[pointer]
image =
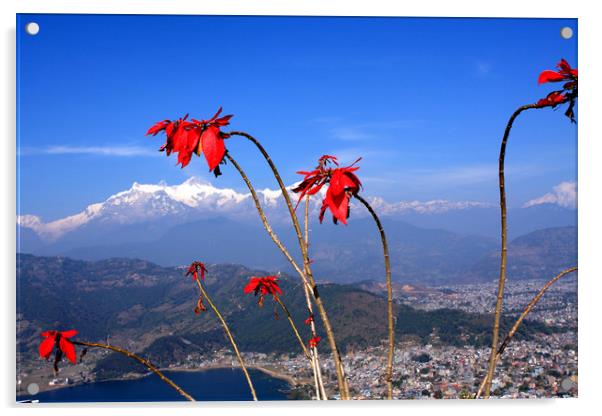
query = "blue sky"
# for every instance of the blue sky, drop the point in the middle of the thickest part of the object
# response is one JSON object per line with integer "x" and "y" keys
{"x": 423, "y": 101}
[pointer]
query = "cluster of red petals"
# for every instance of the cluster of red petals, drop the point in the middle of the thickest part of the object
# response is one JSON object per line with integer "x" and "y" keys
{"x": 564, "y": 73}
{"x": 309, "y": 319}
{"x": 197, "y": 268}
{"x": 186, "y": 137}
{"x": 263, "y": 286}
{"x": 60, "y": 340}
{"x": 342, "y": 183}
{"x": 314, "y": 342}
{"x": 568, "y": 93}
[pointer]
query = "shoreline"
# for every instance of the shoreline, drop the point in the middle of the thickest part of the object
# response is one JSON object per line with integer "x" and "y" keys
{"x": 274, "y": 373}
{"x": 270, "y": 372}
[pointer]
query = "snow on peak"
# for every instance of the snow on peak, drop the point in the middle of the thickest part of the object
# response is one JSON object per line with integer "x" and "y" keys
{"x": 195, "y": 198}
{"x": 436, "y": 206}
{"x": 54, "y": 229}
{"x": 192, "y": 193}
{"x": 564, "y": 195}
{"x": 143, "y": 202}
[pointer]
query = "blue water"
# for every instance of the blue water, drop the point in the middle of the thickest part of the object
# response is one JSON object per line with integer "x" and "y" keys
{"x": 209, "y": 385}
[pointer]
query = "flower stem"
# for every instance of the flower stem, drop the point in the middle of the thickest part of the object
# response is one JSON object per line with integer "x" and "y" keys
{"x": 265, "y": 222}
{"x": 141, "y": 360}
{"x": 504, "y": 253}
{"x": 293, "y": 326}
{"x": 391, "y": 324}
{"x": 341, "y": 379}
{"x": 320, "y": 390}
{"x": 522, "y": 316}
{"x": 229, "y": 334}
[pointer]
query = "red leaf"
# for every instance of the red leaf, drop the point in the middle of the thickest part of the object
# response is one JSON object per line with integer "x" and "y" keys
{"x": 252, "y": 285}
{"x": 158, "y": 127}
{"x": 213, "y": 146}
{"x": 47, "y": 345}
{"x": 69, "y": 334}
{"x": 69, "y": 349}
{"x": 550, "y": 76}
{"x": 553, "y": 99}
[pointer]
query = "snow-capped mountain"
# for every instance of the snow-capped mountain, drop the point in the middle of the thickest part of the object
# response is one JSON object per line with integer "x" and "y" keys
{"x": 437, "y": 206}
{"x": 174, "y": 224}
{"x": 195, "y": 199}
{"x": 150, "y": 202}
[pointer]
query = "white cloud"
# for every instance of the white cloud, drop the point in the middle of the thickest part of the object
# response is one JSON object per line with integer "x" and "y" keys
{"x": 482, "y": 68}
{"x": 564, "y": 194}
{"x": 119, "y": 151}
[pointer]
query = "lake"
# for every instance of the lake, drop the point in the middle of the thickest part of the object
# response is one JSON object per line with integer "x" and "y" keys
{"x": 208, "y": 385}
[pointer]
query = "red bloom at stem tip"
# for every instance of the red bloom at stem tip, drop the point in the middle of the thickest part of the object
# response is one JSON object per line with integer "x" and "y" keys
{"x": 195, "y": 269}
{"x": 263, "y": 286}
{"x": 195, "y": 136}
{"x": 60, "y": 340}
{"x": 314, "y": 342}
{"x": 342, "y": 181}
{"x": 568, "y": 93}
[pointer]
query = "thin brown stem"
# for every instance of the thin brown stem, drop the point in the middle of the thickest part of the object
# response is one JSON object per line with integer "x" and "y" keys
{"x": 268, "y": 227}
{"x": 391, "y": 324}
{"x": 293, "y": 326}
{"x": 504, "y": 253}
{"x": 320, "y": 390}
{"x": 341, "y": 379}
{"x": 264, "y": 220}
{"x": 141, "y": 360}
{"x": 522, "y": 316}
{"x": 230, "y": 337}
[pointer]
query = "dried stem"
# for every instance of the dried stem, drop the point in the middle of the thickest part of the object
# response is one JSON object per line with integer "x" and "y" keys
{"x": 290, "y": 319}
{"x": 264, "y": 220}
{"x": 522, "y": 316}
{"x": 319, "y": 382}
{"x": 383, "y": 238}
{"x": 341, "y": 379}
{"x": 504, "y": 253}
{"x": 141, "y": 360}
{"x": 266, "y": 224}
{"x": 229, "y": 334}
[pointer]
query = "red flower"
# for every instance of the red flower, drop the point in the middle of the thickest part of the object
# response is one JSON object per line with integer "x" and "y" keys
{"x": 343, "y": 183}
{"x": 58, "y": 339}
{"x": 211, "y": 142}
{"x": 315, "y": 180}
{"x": 195, "y": 269}
{"x": 309, "y": 319}
{"x": 564, "y": 73}
{"x": 314, "y": 342}
{"x": 195, "y": 136}
{"x": 568, "y": 93}
{"x": 263, "y": 286}
{"x": 181, "y": 138}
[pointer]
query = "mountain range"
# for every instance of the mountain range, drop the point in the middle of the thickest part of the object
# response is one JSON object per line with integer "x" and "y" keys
{"x": 431, "y": 242}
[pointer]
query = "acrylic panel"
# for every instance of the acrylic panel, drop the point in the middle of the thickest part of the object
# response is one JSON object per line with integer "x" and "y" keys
{"x": 235, "y": 208}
